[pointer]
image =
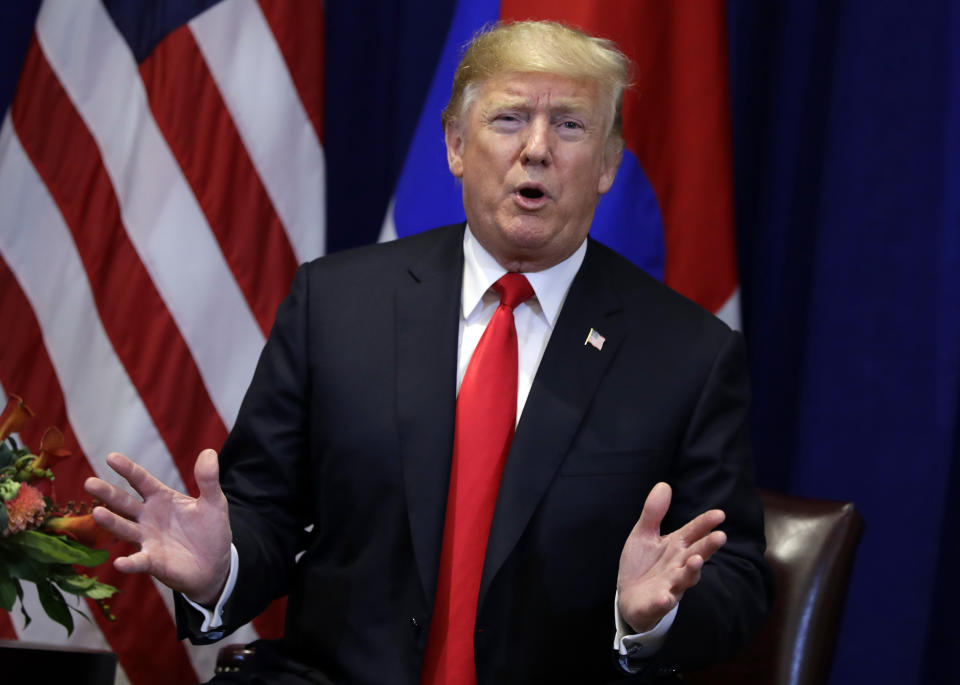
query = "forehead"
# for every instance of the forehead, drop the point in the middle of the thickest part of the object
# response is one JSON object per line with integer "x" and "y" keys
{"x": 536, "y": 90}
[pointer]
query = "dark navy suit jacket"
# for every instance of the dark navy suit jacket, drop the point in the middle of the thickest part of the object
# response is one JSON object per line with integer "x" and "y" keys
{"x": 348, "y": 427}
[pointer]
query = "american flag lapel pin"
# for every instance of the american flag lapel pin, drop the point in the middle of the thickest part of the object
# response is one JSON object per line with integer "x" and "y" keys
{"x": 594, "y": 338}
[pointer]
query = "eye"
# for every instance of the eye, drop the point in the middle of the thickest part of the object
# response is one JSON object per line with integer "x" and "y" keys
{"x": 571, "y": 129}
{"x": 506, "y": 122}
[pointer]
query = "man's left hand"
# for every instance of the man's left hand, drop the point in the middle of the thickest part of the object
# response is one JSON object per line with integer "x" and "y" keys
{"x": 656, "y": 570}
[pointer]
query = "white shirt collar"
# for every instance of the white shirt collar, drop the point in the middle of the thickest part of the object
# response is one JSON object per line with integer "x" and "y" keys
{"x": 550, "y": 286}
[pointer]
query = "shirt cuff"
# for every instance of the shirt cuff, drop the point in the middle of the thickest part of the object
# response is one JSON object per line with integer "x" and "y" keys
{"x": 634, "y": 646}
{"x": 213, "y": 618}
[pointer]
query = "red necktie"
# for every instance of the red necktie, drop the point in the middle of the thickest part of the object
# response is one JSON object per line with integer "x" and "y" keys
{"x": 486, "y": 415}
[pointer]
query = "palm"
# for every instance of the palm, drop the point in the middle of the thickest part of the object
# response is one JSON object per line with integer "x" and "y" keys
{"x": 656, "y": 570}
{"x": 184, "y": 541}
{"x": 174, "y": 536}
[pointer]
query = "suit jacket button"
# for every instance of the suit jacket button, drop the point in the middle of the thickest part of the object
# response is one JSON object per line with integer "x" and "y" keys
{"x": 415, "y": 623}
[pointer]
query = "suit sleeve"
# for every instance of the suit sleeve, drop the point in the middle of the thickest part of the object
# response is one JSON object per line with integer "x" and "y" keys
{"x": 262, "y": 469}
{"x": 714, "y": 469}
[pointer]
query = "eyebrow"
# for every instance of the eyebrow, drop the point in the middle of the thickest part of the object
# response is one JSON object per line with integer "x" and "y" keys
{"x": 557, "y": 106}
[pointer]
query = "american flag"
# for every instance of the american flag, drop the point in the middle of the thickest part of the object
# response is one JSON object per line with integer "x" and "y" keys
{"x": 161, "y": 176}
{"x": 594, "y": 338}
{"x": 162, "y": 173}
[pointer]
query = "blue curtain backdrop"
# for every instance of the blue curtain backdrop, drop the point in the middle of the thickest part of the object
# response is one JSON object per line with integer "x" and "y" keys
{"x": 847, "y": 148}
{"x": 847, "y": 156}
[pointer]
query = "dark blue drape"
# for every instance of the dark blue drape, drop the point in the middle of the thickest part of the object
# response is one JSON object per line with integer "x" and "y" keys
{"x": 847, "y": 146}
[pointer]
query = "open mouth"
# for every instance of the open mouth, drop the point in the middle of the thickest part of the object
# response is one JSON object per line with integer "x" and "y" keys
{"x": 531, "y": 193}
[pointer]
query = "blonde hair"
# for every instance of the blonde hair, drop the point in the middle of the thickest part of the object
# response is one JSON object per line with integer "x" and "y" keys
{"x": 540, "y": 47}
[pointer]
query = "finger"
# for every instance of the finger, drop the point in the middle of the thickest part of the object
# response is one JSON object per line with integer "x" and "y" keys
{"x": 206, "y": 471}
{"x": 689, "y": 575}
{"x": 654, "y": 509}
{"x": 139, "y": 478}
{"x": 701, "y": 525}
{"x": 705, "y": 547}
{"x": 114, "y": 498}
{"x": 138, "y": 562}
{"x": 119, "y": 526}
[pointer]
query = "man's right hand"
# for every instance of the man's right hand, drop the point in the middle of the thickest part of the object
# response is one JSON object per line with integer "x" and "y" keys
{"x": 184, "y": 541}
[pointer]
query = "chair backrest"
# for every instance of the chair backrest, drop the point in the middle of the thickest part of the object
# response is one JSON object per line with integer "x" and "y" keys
{"x": 811, "y": 544}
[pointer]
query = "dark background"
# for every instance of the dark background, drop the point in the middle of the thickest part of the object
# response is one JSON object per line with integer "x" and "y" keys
{"x": 847, "y": 172}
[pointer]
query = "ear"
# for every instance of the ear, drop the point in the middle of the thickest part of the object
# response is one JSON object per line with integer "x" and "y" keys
{"x": 612, "y": 154}
{"x": 453, "y": 136}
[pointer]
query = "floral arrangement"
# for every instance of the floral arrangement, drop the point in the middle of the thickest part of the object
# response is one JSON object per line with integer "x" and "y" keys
{"x": 40, "y": 540}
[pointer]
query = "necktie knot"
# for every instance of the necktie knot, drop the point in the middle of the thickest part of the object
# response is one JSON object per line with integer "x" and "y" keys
{"x": 513, "y": 289}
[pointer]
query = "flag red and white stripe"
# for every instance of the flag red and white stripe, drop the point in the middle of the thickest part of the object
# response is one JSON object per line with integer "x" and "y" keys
{"x": 152, "y": 213}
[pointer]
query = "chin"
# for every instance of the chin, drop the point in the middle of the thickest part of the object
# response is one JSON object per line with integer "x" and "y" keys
{"x": 528, "y": 232}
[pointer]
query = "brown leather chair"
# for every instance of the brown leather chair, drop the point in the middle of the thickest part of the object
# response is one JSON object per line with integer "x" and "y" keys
{"x": 811, "y": 544}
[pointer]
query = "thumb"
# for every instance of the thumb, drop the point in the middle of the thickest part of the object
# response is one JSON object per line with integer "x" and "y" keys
{"x": 207, "y": 473}
{"x": 654, "y": 509}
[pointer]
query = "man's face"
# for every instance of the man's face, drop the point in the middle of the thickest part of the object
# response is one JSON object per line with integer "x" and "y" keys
{"x": 534, "y": 156}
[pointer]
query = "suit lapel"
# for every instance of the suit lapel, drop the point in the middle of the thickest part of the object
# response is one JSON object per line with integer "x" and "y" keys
{"x": 563, "y": 389}
{"x": 427, "y": 317}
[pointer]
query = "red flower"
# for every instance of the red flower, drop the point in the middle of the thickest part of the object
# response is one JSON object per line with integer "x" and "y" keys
{"x": 26, "y": 510}
{"x": 83, "y": 529}
{"x": 14, "y": 417}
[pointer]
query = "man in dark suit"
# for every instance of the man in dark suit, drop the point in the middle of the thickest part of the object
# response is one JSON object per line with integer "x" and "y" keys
{"x": 608, "y": 408}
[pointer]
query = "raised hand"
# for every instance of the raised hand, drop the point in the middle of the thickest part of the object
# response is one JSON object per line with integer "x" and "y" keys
{"x": 656, "y": 570}
{"x": 184, "y": 541}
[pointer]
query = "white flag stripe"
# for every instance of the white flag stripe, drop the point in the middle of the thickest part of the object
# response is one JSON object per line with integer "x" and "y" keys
{"x": 3, "y": 403}
{"x": 388, "y": 230}
{"x": 729, "y": 313}
{"x": 103, "y": 406}
{"x": 240, "y": 49}
{"x": 168, "y": 229}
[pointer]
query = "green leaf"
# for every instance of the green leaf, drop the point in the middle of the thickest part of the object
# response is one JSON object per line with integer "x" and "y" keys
{"x": 6, "y": 455}
{"x": 4, "y": 517}
{"x": 81, "y": 613}
{"x": 23, "y": 608}
{"x": 52, "y": 549}
{"x": 55, "y": 605}
{"x": 20, "y": 566}
{"x": 9, "y": 591}
{"x": 84, "y": 586}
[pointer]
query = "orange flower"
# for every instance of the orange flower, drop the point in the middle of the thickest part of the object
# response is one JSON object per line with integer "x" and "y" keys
{"x": 51, "y": 449}
{"x": 14, "y": 417}
{"x": 83, "y": 529}
{"x": 25, "y": 511}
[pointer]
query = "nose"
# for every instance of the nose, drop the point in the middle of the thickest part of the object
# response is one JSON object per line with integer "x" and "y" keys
{"x": 536, "y": 149}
